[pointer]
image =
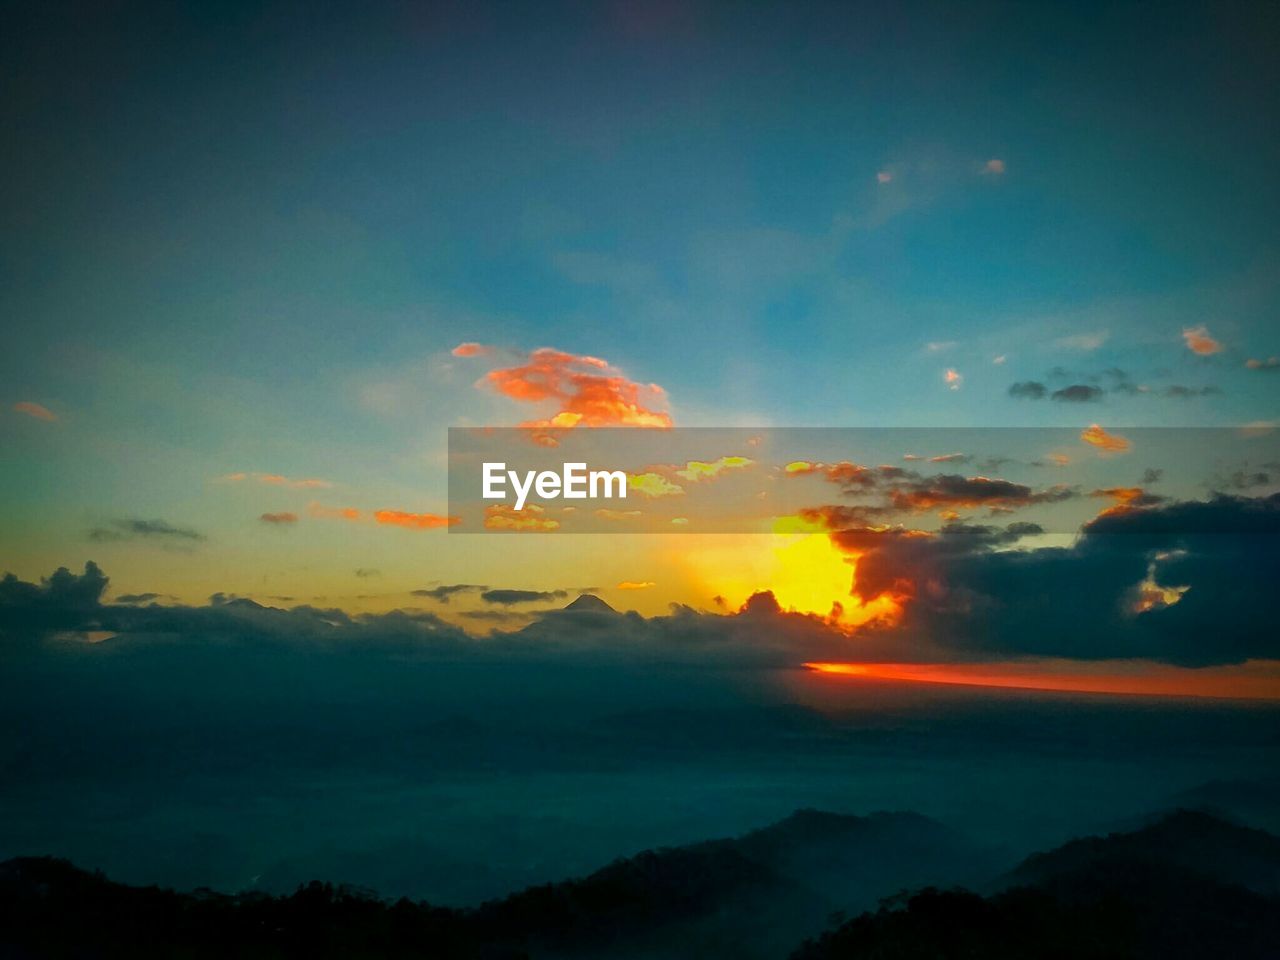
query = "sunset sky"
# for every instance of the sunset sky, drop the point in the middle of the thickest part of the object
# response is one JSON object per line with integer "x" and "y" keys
{"x": 253, "y": 273}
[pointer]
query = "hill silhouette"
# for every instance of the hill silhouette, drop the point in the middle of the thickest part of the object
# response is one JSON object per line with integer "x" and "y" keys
{"x": 1187, "y": 885}
{"x": 589, "y": 603}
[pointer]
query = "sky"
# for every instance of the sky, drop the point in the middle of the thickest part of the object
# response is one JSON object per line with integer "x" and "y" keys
{"x": 260, "y": 260}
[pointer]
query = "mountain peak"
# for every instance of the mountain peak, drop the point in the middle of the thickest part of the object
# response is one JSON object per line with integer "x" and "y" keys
{"x": 590, "y": 603}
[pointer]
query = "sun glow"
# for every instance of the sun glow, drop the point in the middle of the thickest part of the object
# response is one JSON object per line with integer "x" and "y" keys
{"x": 805, "y": 572}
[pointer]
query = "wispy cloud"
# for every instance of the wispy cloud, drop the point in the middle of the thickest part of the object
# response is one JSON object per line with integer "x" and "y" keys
{"x": 413, "y": 521}
{"x": 130, "y": 529}
{"x": 1098, "y": 437}
{"x": 953, "y": 379}
{"x": 35, "y": 410}
{"x": 276, "y": 480}
{"x": 279, "y": 519}
{"x": 1083, "y": 341}
{"x": 1270, "y": 363}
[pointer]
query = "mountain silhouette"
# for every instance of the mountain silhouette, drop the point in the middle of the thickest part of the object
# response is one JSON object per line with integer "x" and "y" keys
{"x": 1187, "y": 885}
{"x": 589, "y": 603}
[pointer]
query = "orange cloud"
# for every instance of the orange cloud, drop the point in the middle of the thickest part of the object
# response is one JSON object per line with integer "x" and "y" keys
{"x": 333, "y": 513}
{"x": 1098, "y": 437}
{"x": 953, "y": 379}
{"x": 586, "y": 390}
{"x": 35, "y": 410}
{"x": 279, "y": 518}
{"x": 1200, "y": 342}
{"x": 635, "y": 584}
{"x": 532, "y": 518}
{"x": 994, "y": 166}
{"x": 471, "y": 350}
{"x": 414, "y": 521}
{"x": 1271, "y": 363}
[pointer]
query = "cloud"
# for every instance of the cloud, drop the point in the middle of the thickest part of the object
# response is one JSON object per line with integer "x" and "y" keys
{"x": 414, "y": 521}
{"x": 1078, "y": 393}
{"x": 35, "y": 410}
{"x": 605, "y": 513}
{"x": 533, "y": 518}
{"x": 953, "y": 379}
{"x": 696, "y": 470}
{"x": 999, "y": 359}
{"x": 129, "y": 529}
{"x": 507, "y": 598}
{"x": 994, "y": 167}
{"x": 443, "y": 593}
{"x": 1028, "y": 390}
{"x": 471, "y": 350}
{"x": 1213, "y": 563}
{"x": 884, "y": 176}
{"x": 279, "y": 519}
{"x": 1270, "y": 363}
{"x": 143, "y": 597}
{"x": 950, "y": 458}
{"x": 580, "y": 391}
{"x": 1199, "y": 341}
{"x": 940, "y": 346}
{"x": 635, "y": 584}
{"x": 364, "y": 573}
{"x": 1110, "y": 442}
{"x": 653, "y": 485}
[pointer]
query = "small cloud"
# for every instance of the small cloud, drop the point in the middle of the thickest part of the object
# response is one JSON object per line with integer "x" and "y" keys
{"x": 946, "y": 458}
{"x": 679, "y": 521}
{"x": 277, "y": 480}
{"x": 35, "y": 410}
{"x": 1083, "y": 341}
{"x": 129, "y": 529}
{"x": 509, "y": 597}
{"x": 940, "y": 346}
{"x": 279, "y": 519}
{"x": 999, "y": 359}
{"x": 953, "y": 379}
{"x": 653, "y": 485}
{"x": 884, "y": 176}
{"x": 604, "y": 513}
{"x": 1151, "y": 475}
{"x": 365, "y": 573}
{"x": 443, "y": 593}
{"x": 1271, "y": 363}
{"x": 1078, "y": 393}
{"x": 1199, "y": 341}
{"x": 532, "y": 518}
{"x": 993, "y": 167}
{"x": 696, "y": 470}
{"x": 635, "y": 584}
{"x": 1183, "y": 393}
{"x": 1028, "y": 390}
{"x": 471, "y": 350}
{"x": 1099, "y": 438}
{"x": 414, "y": 521}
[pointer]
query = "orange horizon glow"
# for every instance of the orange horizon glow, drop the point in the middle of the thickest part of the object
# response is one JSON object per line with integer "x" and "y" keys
{"x": 1252, "y": 680}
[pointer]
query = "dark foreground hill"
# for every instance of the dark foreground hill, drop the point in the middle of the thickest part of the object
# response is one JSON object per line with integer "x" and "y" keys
{"x": 1142, "y": 894}
{"x": 1187, "y": 886}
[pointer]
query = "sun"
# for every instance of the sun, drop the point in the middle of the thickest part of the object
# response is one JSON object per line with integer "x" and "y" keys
{"x": 805, "y": 571}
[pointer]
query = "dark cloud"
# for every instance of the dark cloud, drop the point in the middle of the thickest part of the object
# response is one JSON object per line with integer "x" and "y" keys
{"x": 143, "y": 597}
{"x": 1078, "y": 393}
{"x": 279, "y": 519}
{"x": 1243, "y": 480}
{"x": 444, "y": 592}
{"x": 1151, "y": 475}
{"x": 128, "y": 529}
{"x": 1217, "y": 562}
{"x": 365, "y": 572}
{"x": 509, "y": 597}
{"x": 1028, "y": 390}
